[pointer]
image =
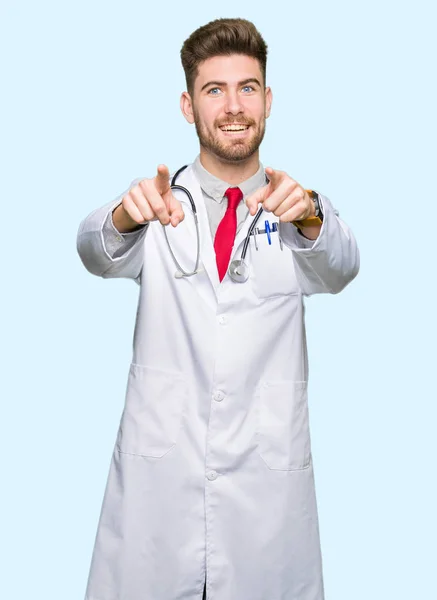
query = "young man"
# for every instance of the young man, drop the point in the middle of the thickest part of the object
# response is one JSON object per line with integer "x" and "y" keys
{"x": 211, "y": 479}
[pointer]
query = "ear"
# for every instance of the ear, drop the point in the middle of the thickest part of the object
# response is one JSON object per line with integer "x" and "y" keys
{"x": 268, "y": 101}
{"x": 187, "y": 107}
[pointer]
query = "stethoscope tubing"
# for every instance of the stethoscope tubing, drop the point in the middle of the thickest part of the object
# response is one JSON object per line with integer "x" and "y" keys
{"x": 182, "y": 272}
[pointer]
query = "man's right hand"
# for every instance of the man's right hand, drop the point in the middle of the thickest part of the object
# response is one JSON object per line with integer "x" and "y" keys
{"x": 148, "y": 200}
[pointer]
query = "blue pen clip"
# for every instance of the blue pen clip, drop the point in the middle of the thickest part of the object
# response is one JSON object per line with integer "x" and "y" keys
{"x": 267, "y": 226}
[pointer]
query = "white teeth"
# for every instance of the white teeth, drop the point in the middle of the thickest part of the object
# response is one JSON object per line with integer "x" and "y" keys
{"x": 234, "y": 128}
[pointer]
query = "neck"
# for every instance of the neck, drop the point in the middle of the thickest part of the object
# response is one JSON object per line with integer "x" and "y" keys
{"x": 233, "y": 172}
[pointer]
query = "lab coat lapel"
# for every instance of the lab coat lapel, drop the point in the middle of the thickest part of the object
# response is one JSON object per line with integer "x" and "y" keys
{"x": 207, "y": 280}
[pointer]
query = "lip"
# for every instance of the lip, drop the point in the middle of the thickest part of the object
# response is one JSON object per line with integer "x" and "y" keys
{"x": 234, "y": 134}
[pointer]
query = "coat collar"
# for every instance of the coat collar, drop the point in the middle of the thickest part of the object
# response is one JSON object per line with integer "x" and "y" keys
{"x": 207, "y": 280}
{"x": 215, "y": 187}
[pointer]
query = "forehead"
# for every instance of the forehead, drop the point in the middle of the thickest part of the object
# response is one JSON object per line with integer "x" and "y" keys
{"x": 231, "y": 69}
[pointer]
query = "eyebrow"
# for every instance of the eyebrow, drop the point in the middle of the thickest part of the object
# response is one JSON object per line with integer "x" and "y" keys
{"x": 223, "y": 83}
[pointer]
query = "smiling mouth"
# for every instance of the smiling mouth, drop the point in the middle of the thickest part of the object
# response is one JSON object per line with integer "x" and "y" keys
{"x": 234, "y": 128}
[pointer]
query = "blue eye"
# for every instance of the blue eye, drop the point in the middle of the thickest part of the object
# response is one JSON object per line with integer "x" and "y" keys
{"x": 212, "y": 90}
{"x": 248, "y": 87}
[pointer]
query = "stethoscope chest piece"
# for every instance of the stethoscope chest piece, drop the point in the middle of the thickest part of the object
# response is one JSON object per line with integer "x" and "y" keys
{"x": 239, "y": 271}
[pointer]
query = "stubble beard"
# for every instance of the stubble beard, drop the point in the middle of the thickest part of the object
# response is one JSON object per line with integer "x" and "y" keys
{"x": 232, "y": 151}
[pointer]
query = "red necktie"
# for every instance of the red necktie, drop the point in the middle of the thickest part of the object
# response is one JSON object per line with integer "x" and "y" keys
{"x": 225, "y": 236}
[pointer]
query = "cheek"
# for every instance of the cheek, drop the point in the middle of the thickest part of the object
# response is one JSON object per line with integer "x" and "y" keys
{"x": 255, "y": 110}
{"x": 261, "y": 112}
{"x": 216, "y": 114}
{"x": 209, "y": 115}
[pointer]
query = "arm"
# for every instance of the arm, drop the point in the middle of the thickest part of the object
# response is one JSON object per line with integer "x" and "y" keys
{"x": 119, "y": 240}
{"x": 105, "y": 251}
{"x": 329, "y": 262}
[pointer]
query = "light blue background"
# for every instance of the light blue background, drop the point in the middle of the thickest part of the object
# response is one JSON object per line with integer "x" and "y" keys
{"x": 90, "y": 101}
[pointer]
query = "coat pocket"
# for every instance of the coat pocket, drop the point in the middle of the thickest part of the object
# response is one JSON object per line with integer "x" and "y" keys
{"x": 273, "y": 270}
{"x": 283, "y": 436}
{"x": 151, "y": 420}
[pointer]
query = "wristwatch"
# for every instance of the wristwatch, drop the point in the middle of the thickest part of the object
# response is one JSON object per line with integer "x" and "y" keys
{"x": 318, "y": 205}
{"x": 318, "y": 216}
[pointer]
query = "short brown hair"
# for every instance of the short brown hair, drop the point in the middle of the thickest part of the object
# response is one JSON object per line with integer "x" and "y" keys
{"x": 220, "y": 38}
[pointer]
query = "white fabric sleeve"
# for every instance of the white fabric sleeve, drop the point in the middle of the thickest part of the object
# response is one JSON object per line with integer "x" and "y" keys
{"x": 117, "y": 243}
{"x": 328, "y": 263}
{"x": 104, "y": 251}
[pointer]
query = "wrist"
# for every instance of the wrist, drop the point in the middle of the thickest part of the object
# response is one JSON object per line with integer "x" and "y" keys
{"x": 313, "y": 222}
{"x": 311, "y": 233}
{"x": 122, "y": 221}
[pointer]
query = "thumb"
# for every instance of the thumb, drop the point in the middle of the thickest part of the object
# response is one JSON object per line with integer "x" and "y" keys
{"x": 258, "y": 196}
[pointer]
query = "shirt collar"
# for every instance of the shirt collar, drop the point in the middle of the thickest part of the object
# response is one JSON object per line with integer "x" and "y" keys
{"x": 216, "y": 188}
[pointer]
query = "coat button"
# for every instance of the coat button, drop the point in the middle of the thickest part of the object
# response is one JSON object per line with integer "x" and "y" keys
{"x": 212, "y": 475}
{"x": 222, "y": 320}
{"x": 218, "y": 396}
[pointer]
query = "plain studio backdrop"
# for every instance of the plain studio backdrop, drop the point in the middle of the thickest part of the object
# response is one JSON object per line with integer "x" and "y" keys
{"x": 89, "y": 102}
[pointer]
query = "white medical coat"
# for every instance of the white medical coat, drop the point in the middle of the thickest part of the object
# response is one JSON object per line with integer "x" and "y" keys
{"x": 211, "y": 474}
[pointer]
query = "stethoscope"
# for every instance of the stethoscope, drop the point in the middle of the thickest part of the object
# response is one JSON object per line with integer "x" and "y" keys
{"x": 238, "y": 270}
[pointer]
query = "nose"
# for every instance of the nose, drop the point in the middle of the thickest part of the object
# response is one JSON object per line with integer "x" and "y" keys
{"x": 233, "y": 103}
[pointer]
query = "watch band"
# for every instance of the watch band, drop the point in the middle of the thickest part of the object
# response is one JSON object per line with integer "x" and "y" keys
{"x": 311, "y": 221}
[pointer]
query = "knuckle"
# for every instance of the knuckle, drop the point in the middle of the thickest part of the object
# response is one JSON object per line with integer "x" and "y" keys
{"x": 136, "y": 194}
{"x": 144, "y": 186}
{"x": 147, "y": 213}
{"x": 299, "y": 205}
{"x": 161, "y": 212}
{"x": 160, "y": 209}
{"x": 133, "y": 191}
{"x": 126, "y": 200}
{"x": 290, "y": 187}
{"x": 144, "y": 182}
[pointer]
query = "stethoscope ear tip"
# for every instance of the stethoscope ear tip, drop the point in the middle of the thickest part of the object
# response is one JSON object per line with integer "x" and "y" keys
{"x": 178, "y": 274}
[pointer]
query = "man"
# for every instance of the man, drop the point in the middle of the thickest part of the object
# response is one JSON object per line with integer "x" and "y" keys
{"x": 211, "y": 486}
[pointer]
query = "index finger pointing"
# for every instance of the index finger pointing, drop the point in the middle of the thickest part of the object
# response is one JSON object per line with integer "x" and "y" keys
{"x": 274, "y": 176}
{"x": 277, "y": 177}
{"x": 162, "y": 179}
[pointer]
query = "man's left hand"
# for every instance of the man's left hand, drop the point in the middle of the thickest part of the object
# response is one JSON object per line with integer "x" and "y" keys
{"x": 282, "y": 196}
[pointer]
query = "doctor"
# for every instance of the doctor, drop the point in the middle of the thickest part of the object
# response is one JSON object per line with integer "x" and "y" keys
{"x": 210, "y": 491}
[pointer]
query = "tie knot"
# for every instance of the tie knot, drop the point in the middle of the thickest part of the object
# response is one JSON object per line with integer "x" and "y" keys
{"x": 234, "y": 195}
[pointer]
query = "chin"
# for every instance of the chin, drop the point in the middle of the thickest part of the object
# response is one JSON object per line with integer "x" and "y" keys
{"x": 240, "y": 154}
{"x": 237, "y": 151}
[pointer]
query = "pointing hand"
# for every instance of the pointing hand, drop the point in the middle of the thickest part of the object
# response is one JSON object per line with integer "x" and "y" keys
{"x": 282, "y": 196}
{"x": 151, "y": 200}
